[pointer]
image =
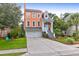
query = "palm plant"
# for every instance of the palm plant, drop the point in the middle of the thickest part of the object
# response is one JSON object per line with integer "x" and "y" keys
{"x": 74, "y": 20}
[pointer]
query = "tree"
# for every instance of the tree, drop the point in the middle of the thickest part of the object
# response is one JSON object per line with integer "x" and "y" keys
{"x": 51, "y": 15}
{"x": 74, "y": 20}
{"x": 59, "y": 25}
{"x": 10, "y": 15}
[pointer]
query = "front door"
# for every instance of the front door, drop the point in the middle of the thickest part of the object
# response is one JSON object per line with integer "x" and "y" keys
{"x": 47, "y": 27}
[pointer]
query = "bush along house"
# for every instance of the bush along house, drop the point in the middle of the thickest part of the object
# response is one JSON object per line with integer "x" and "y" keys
{"x": 38, "y": 24}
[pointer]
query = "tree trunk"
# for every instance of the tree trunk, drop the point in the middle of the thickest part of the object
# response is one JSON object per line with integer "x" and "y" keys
{"x": 76, "y": 30}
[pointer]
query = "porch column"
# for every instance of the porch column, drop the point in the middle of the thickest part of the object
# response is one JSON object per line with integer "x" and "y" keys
{"x": 43, "y": 26}
{"x": 52, "y": 27}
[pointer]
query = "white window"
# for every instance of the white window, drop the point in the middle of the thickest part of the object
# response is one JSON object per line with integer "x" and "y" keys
{"x": 39, "y": 15}
{"x": 33, "y": 14}
{"x": 28, "y": 14}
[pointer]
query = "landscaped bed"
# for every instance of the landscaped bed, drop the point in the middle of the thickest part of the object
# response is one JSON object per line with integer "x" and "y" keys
{"x": 67, "y": 40}
{"x": 13, "y": 44}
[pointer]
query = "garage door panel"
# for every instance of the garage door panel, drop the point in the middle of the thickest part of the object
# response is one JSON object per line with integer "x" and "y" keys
{"x": 34, "y": 34}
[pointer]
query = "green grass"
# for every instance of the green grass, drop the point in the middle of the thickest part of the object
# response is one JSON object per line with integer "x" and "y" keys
{"x": 13, "y": 44}
{"x": 13, "y": 54}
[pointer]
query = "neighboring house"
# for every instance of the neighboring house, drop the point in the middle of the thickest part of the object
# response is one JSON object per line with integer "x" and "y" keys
{"x": 47, "y": 25}
{"x": 71, "y": 29}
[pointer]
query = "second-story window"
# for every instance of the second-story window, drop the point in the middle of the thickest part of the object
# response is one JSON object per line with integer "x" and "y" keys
{"x": 28, "y": 18}
{"x": 33, "y": 14}
{"x": 28, "y": 23}
{"x": 28, "y": 14}
{"x": 39, "y": 15}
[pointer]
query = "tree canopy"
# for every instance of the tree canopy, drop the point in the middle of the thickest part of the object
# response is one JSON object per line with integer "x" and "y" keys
{"x": 62, "y": 24}
{"x": 10, "y": 15}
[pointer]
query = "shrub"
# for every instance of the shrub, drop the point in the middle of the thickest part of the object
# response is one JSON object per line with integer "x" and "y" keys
{"x": 14, "y": 32}
{"x": 21, "y": 33}
{"x": 70, "y": 40}
{"x": 44, "y": 34}
{"x": 76, "y": 35}
{"x": 58, "y": 32}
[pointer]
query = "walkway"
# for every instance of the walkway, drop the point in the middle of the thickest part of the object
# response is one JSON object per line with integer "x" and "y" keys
{"x": 46, "y": 47}
{"x": 13, "y": 51}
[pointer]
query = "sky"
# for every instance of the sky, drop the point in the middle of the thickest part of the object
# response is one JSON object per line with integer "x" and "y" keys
{"x": 56, "y": 8}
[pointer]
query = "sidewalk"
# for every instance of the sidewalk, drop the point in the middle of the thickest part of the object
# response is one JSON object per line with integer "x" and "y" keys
{"x": 13, "y": 51}
{"x": 46, "y": 47}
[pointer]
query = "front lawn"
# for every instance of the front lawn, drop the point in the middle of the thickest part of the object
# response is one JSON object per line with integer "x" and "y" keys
{"x": 12, "y": 44}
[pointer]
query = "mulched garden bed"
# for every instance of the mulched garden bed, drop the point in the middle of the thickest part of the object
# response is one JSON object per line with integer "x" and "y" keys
{"x": 76, "y": 42}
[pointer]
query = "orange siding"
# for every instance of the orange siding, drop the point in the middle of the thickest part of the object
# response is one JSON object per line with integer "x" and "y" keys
{"x": 31, "y": 19}
{"x": 36, "y": 20}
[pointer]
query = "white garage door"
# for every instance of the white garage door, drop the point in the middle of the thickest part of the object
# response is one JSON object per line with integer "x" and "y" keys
{"x": 34, "y": 34}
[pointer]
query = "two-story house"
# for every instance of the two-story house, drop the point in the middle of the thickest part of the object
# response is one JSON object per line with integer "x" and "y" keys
{"x": 34, "y": 22}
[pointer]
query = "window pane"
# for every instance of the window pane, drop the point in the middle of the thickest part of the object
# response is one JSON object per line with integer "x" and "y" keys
{"x": 38, "y": 15}
{"x": 38, "y": 23}
{"x": 28, "y": 14}
{"x": 33, "y": 14}
{"x": 28, "y": 23}
{"x": 33, "y": 23}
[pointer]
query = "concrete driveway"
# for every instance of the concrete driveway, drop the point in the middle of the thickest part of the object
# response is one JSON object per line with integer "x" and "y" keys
{"x": 46, "y": 47}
